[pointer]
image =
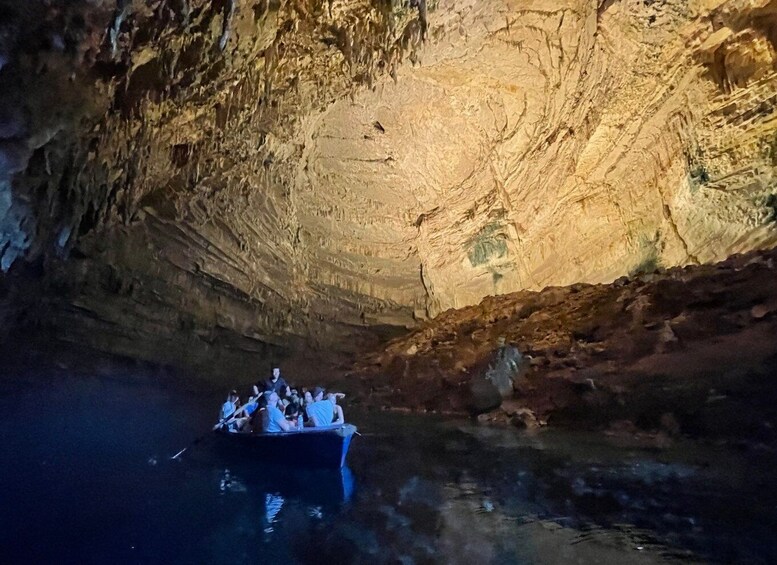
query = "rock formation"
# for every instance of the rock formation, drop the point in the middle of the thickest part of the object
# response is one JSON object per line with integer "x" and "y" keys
{"x": 190, "y": 175}
{"x": 687, "y": 351}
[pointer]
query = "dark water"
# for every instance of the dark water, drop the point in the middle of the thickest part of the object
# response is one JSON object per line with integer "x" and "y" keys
{"x": 87, "y": 478}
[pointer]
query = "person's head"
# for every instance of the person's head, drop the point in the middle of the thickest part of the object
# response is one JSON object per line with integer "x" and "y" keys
{"x": 331, "y": 396}
{"x": 233, "y": 396}
{"x": 292, "y": 411}
{"x": 308, "y": 397}
{"x": 318, "y": 393}
{"x": 276, "y": 373}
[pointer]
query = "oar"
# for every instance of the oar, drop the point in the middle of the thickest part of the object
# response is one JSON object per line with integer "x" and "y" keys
{"x": 192, "y": 444}
{"x": 198, "y": 440}
{"x": 203, "y": 436}
{"x": 228, "y": 420}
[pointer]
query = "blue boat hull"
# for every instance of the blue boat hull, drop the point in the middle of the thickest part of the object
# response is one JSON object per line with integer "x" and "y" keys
{"x": 312, "y": 447}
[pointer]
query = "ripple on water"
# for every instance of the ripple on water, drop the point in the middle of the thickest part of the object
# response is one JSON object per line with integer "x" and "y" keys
{"x": 418, "y": 490}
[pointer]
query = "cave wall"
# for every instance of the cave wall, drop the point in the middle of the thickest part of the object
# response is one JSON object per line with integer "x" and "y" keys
{"x": 179, "y": 174}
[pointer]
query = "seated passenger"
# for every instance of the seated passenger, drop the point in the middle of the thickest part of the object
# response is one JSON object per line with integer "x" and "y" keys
{"x": 293, "y": 413}
{"x": 229, "y": 407}
{"x": 276, "y": 400}
{"x": 339, "y": 417}
{"x": 324, "y": 411}
{"x": 273, "y": 420}
{"x": 294, "y": 397}
{"x": 242, "y": 416}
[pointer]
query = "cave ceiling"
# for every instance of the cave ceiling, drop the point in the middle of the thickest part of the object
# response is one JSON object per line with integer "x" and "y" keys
{"x": 300, "y": 170}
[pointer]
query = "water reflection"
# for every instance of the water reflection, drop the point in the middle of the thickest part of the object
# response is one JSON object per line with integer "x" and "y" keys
{"x": 272, "y": 505}
{"x": 427, "y": 491}
{"x": 319, "y": 491}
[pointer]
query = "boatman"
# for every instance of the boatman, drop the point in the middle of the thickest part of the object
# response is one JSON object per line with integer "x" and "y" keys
{"x": 276, "y": 383}
{"x": 273, "y": 420}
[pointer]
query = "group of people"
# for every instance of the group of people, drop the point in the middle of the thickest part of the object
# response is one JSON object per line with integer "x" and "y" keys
{"x": 276, "y": 407}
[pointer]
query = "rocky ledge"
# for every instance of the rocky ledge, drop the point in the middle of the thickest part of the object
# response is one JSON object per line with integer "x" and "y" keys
{"x": 683, "y": 351}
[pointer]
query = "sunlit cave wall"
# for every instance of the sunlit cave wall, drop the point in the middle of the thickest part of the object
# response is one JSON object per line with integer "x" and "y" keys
{"x": 186, "y": 177}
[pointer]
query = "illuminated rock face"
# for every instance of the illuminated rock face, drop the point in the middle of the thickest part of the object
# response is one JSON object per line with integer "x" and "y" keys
{"x": 311, "y": 169}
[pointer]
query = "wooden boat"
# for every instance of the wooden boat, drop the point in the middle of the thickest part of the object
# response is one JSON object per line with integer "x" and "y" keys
{"x": 326, "y": 446}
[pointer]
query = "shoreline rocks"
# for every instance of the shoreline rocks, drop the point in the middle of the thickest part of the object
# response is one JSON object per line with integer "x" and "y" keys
{"x": 644, "y": 352}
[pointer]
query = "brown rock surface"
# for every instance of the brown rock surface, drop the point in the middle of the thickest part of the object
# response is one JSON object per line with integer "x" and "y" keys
{"x": 694, "y": 360}
{"x": 220, "y": 179}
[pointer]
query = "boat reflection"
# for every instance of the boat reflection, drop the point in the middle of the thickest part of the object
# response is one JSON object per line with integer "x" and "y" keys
{"x": 314, "y": 488}
{"x": 272, "y": 507}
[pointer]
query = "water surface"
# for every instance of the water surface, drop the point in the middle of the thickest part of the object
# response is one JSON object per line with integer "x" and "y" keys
{"x": 87, "y": 478}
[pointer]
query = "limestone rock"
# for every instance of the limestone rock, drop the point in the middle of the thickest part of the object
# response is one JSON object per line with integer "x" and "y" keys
{"x": 330, "y": 173}
{"x": 594, "y": 366}
{"x": 666, "y": 334}
{"x": 484, "y": 396}
{"x": 525, "y": 418}
{"x": 761, "y": 310}
{"x": 520, "y": 415}
{"x": 505, "y": 368}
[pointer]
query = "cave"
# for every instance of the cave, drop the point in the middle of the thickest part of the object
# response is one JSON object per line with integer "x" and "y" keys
{"x": 527, "y": 218}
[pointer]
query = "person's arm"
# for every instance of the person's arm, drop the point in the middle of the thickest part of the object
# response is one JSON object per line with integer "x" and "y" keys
{"x": 340, "y": 418}
{"x": 286, "y": 426}
{"x": 243, "y": 408}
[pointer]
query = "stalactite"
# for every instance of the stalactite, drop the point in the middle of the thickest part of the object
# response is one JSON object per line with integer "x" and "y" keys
{"x": 229, "y": 13}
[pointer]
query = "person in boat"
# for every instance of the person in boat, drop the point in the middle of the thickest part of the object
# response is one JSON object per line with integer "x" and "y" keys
{"x": 339, "y": 417}
{"x": 273, "y": 420}
{"x": 324, "y": 410}
{"x": 241, "y": 418}
{"x": 230, "y": 406}
{"x": 229, "y": 411}
{"x": 294, "y": 397}
{"x": 276, "y": 383}
{"x": 276, "y": 400}
{"x": 292, "y": 413}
